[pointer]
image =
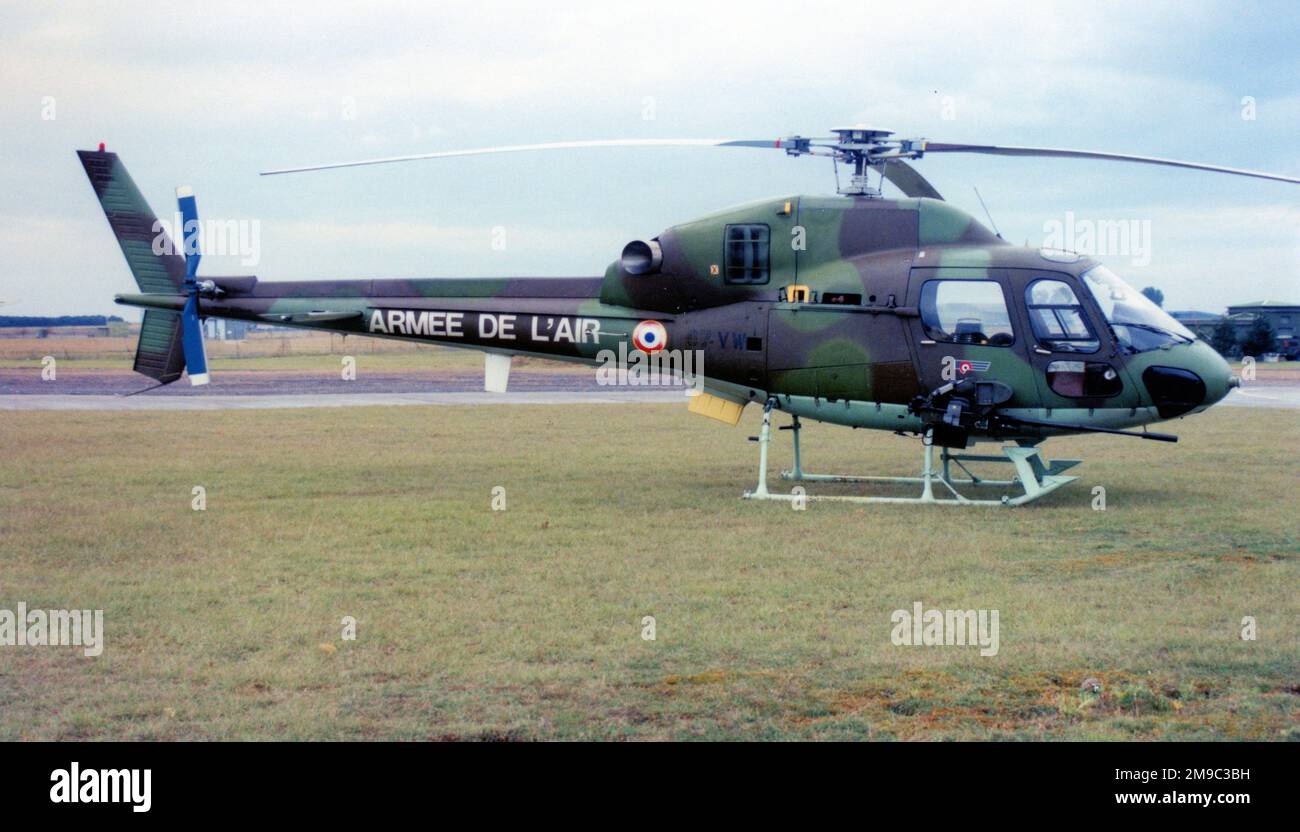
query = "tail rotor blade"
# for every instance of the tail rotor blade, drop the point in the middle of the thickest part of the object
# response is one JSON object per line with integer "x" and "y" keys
{"x": 189, "y": 230}
{"x": 196, "y": 356}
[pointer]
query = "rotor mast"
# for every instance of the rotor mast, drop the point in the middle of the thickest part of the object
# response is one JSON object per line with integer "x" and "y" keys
{"x": 856, "y": 147}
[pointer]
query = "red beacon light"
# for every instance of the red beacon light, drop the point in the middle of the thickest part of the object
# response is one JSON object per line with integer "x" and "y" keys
{"x": 101, "y": 147}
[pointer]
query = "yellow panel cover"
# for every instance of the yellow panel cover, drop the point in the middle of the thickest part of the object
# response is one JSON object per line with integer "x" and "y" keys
{"x": 716, "y": 407}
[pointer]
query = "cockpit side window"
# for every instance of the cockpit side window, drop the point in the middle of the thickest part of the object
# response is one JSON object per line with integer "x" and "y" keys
{"x": 1057, "y": 317}
{"x": 966, "y": 312}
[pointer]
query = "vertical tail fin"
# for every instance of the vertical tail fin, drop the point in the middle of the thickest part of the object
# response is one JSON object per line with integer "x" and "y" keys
{"x": 134, "y": 224}
{"x": 157, "y": 269}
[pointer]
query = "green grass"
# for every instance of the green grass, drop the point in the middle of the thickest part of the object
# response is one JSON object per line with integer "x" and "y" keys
{"x": 771, "y": 623}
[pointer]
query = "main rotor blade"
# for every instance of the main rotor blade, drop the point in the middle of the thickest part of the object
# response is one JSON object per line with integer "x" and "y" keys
{"x": 995, "y": 150}
{"x": 908, "y": 180}
{"x": 774, "y": 144}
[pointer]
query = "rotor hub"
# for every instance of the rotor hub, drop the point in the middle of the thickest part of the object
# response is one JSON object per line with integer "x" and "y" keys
{"x": 862, "y": 147}
{"x": 860, "y": 134}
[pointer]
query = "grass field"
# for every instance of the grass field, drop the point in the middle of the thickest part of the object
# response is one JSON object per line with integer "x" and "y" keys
{"x": 526, "y": 623}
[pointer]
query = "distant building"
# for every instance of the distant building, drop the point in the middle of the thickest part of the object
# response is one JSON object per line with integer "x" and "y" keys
{"x": 1202, "y": 323}
{"x": 221, "y": 329}
{"x": 1280, "y": 315}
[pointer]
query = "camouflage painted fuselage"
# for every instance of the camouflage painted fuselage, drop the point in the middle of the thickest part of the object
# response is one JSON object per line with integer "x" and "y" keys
{"x": 834, "y": 333}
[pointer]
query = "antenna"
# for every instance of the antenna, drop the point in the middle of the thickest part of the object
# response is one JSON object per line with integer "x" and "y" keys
{"x": 987, "y": 214}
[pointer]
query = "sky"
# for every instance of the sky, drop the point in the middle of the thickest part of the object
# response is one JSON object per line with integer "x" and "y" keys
{"x": 208, "y": 94}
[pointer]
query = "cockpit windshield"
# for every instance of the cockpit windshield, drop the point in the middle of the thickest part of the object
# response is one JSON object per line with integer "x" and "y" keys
{"x": 1138, "y": 323}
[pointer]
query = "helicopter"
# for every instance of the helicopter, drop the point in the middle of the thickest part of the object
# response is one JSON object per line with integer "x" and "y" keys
{"x": 898, "y": 314}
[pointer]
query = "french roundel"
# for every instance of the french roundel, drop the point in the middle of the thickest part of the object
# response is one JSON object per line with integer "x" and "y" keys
{"x": 649, "y": 336}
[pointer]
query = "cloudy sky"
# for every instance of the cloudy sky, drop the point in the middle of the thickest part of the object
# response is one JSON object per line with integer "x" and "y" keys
{"x": 209, "y": 94}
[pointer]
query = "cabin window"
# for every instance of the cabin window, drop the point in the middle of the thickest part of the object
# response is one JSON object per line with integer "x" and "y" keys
{"x": 966, "y": 312}
{"x": 1057, "y": 317}
{"x": 747, "y": 253}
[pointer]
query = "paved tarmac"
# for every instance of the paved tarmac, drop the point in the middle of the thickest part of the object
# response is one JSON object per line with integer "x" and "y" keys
{"x": 23, "y": 389}
{"x": 1271, "y": 395}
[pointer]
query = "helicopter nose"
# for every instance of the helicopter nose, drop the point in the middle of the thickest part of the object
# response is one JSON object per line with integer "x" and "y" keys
{"x": 1219, "y": 380}
{"x": 1199, "y": 379}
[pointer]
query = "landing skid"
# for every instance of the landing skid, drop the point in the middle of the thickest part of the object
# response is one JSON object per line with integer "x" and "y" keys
{"x": 1034, "y": 478}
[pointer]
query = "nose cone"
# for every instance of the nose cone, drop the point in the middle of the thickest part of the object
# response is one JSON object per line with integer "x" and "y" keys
{"x": 1188, "y": 377}
{"x": 1218, "y": 377}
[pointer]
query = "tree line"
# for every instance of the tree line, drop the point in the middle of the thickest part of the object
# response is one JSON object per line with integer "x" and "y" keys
{"x": 60, "y": 320}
